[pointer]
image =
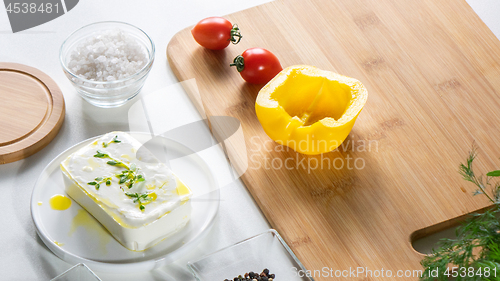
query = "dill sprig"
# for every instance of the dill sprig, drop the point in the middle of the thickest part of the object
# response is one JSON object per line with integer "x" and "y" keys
{"x": 491, "y": 191}
{"x": 475, "y": 252}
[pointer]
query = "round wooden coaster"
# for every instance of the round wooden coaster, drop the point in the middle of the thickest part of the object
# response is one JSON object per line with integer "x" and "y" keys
{"x": 32, "y": 111}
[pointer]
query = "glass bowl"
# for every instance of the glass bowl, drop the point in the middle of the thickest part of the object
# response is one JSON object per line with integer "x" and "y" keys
{"x": 79, "y": 272}
{"x": 107, "y": 93}
{"x": 266, "y": 250}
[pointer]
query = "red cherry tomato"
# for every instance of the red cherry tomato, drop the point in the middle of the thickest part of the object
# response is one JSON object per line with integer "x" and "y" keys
{"x": 215, "y": 33}
{"x": 257, "y": 65}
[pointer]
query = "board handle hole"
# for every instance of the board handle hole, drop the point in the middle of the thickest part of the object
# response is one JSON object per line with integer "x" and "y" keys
{"x": 425, "y": 239}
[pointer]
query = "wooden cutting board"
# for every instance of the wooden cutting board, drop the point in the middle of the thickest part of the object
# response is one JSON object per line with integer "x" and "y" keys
{"x": 32, "y": 111}
{"x": 433, "y": 75}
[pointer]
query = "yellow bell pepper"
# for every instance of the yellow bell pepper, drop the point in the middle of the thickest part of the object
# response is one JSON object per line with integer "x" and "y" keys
{"x": 310, "y": 110}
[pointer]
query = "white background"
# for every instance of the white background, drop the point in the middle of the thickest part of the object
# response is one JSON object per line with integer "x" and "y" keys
{"x": 22, "y": 254}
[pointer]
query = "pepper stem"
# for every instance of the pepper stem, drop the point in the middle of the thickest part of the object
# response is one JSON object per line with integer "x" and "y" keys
{"x": 235, "y": 35}
{"x": 239, "y": 62}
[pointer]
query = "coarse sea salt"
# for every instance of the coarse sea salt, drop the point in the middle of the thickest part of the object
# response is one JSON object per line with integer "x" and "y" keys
{"x": 107, "y": 55}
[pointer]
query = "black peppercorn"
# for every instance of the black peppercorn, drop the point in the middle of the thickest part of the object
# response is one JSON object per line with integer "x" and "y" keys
{"x": 252, "y": 276}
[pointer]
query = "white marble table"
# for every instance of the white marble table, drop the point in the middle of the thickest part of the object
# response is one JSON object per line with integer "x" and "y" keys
{"x": 22, "y": 254}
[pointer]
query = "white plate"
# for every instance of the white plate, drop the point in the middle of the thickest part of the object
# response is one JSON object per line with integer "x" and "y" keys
{"x": 82, "y": 239}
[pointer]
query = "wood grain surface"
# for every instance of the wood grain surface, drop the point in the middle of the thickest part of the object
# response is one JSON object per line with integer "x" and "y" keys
{"x": 433, "y": 75}
{"x": 32, "y": 111}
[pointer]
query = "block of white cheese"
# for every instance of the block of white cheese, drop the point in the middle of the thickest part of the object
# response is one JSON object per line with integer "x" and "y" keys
{"x": 139, "y": 203}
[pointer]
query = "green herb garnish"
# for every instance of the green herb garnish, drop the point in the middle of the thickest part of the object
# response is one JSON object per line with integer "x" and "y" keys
{"x": 476, "y": 247}
{"x": 114, "y": 162}
{"x": 98, "y": 181}
{"x": 139, "y": 198}
{"x": 114, "y": 140}
{"x": 101, "y": 154}
{"x": 129, "y": 176}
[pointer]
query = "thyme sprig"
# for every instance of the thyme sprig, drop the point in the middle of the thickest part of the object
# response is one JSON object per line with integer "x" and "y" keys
{"x": 114, "y": 140}
{"x": 140, "y": 198}
{"x": 113, "y": 161}
{"x": 129, "y": 176}
{"x": 101, "y": 154}
{"x": 99, "y": 180}
{"x": 476, "y": 247}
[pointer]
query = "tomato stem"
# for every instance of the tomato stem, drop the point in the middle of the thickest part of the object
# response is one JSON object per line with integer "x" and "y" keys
{"x": 239, "y": 62}
{"x": 235, "y": 35}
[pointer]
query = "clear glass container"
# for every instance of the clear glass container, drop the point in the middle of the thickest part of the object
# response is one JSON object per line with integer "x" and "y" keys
{"x": 108, "y": 93}
{"x": 79, "y": 272}
{"x": 266, "y": 250}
